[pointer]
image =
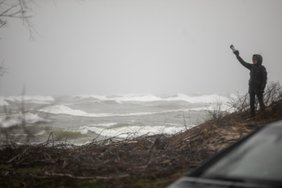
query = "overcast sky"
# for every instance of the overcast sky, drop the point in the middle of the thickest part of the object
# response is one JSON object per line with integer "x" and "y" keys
{"x": 140, "y": 46}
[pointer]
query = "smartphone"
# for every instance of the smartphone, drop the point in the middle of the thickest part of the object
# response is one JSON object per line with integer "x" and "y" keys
{"x": 232, "y": 48}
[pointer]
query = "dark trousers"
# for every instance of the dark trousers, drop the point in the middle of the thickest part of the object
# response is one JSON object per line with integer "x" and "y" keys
{"x": 253, "y": 94}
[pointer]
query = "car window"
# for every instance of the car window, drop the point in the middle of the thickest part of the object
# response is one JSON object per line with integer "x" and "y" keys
{"x": 260, "y": 157}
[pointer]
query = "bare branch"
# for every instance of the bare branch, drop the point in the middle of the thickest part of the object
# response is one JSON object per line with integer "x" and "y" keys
{"x": 6, "y": 12}
{"x": 16, "y": 9}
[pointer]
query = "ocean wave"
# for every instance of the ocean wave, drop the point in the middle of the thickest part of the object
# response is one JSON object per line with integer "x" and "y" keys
{"x": 17, "y": 119}
{"x": 123, "y": 98}
{"x": 29, "y": 99}
{"x": 63, "y": 109}
{"x": 132, "y": 131}
{"x": 199, "y": 99}
{"x": 3, "y": 102}
{"x": 214, "y": 98}
{"x": 32, "y": 118}
{"x": 86, "y": 129}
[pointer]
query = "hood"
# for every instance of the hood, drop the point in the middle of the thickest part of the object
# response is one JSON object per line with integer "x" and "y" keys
{"x": 258, "y": 57}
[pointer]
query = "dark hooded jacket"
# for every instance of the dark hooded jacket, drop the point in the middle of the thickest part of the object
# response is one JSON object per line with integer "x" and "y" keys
{"x": 258, "y": 74}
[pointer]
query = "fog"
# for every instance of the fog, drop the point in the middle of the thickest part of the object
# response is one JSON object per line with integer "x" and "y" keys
{"x": 150, "y": 46}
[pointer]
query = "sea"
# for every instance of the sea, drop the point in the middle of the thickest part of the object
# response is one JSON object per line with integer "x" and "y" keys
{"x": 82, "y": 119}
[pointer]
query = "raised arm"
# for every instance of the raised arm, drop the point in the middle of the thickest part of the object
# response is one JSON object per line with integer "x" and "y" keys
{"x": 244, "y": 63}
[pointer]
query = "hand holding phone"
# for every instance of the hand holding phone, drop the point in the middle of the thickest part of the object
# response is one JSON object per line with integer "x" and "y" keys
{"x": 232, "y": 48}
{"x": 236, "y": 52}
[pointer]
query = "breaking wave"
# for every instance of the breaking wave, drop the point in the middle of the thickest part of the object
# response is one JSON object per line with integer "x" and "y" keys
{"x": 17, "y": 119}
{"x": 152, "y": 98}
{"x": 65, "y": 110}
{"x": 29, "y": 99}
{"x": 131, "y": 131}
{"x": 62, "y": 109}
{"x": 3, "y": 102}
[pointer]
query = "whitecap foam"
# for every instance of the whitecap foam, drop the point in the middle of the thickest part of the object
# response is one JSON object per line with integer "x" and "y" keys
{"x": 213, "y": 98}
{"x": 9, "y": 122}
{"x": 3, "y": 102}
{"x": 31, "y": 99}
{"x": 137, "y": 98}
{"x": 62, "y": 109}
{"x": 97, "y": 97}
{"x": 199, "y": 99}
{"x": 34, "y": 118}
{"x": 123, "y": 98}
{"x": 106, "y": 124}
{"x": 131, "y": 131}
{"x": 84, "y": 129}
{"x": 17, "y": 119}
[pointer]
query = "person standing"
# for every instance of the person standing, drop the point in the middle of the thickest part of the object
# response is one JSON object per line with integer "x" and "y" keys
{"x": 257, "y": 81}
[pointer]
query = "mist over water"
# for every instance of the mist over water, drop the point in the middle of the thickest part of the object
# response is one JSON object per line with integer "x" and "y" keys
{"x": 119, "y": 116}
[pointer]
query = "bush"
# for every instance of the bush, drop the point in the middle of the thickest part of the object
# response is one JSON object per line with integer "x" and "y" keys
{"x": 272, "y": 94}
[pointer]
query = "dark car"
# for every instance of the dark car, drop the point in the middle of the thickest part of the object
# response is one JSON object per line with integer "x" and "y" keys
{"x": 255, "y": 161}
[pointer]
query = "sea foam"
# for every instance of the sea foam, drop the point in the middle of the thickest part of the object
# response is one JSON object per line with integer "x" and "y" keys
{"x": 132, "y": 131}
{"x": 29, "y": 99}
{"x": 3, "y": 102}
{"x": 65, "y": 110}
{"x": 152, "y": 98}
{"x": 17, "y": 119}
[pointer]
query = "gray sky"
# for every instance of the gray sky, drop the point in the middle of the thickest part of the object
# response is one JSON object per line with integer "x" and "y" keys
{"x": 145, "y": 46}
